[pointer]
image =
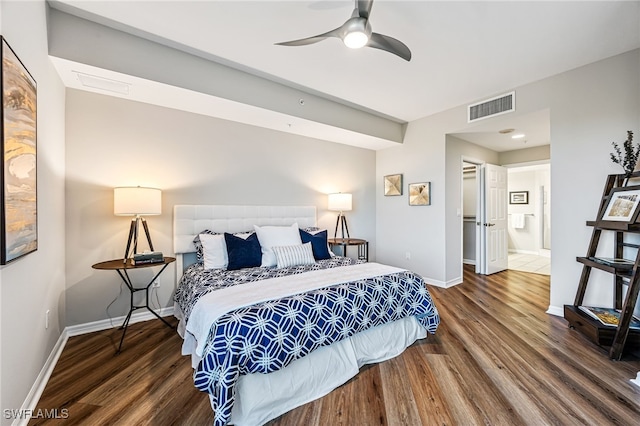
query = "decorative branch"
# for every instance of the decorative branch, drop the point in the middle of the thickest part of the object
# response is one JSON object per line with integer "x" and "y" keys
{"x": 631, "y": 154}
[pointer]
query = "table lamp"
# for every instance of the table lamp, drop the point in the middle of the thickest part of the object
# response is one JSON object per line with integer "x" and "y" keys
{"x": 137, "y": 201}
{"x": 341, "y": 203}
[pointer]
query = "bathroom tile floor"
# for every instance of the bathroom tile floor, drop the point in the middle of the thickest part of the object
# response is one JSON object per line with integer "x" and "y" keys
{"x": 530, "y": 263}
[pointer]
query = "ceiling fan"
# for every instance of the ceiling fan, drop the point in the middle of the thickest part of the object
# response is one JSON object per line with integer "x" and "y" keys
{"x": 357, "y": 33}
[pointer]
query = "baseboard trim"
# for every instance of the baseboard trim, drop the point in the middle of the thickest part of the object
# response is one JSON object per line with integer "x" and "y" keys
{"x": 105, "y": 324}
{"x": 556, "y": 310}
{"x": 443, "y": 284}
{"x": 31, "y": 401}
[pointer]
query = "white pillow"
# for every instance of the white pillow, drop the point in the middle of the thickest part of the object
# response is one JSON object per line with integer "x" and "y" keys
{"x": 273, "y": 236}
{"x": 287, "y": 256}
{"x": 214, "y": 251}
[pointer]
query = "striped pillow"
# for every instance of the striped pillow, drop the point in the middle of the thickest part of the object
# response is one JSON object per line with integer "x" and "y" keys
{"x": 287, "y": 256}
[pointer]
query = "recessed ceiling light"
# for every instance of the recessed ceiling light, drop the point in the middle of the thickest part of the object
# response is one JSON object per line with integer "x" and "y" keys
{"x": 102, "y": 83}
{"x": 518, "y": 136}
{"x": 505, "y": 131}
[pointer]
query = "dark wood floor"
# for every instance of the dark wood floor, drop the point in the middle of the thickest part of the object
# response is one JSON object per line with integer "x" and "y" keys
{"x": 497, "y": 359}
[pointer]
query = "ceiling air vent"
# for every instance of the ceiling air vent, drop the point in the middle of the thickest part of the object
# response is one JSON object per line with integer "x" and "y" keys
{"x": 491, "y": 107}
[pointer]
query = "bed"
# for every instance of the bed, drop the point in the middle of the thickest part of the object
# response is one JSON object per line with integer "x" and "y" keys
{"x": 266, "y": 338}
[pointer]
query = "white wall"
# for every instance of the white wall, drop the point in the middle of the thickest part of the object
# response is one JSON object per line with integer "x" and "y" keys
{"x": 589, "y": 107}
{"x": 35, "y": 283}
{"x": 194, "y": 159}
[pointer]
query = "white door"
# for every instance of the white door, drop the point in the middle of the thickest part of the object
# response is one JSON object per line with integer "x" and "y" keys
{"x": 492, "y": 223}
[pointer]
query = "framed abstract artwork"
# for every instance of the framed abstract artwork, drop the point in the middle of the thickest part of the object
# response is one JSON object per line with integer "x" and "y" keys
{"x": 393, "y": 185}
{"x": 420, "y": 194}
{"x": 18, "y": 210}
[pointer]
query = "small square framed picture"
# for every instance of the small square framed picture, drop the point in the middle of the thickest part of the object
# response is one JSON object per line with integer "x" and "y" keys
{"x": 623, "y": 205}
{"x": 420, "y": 194}
{"x": 519, "y": 197}
{"x": 393, "y": 185}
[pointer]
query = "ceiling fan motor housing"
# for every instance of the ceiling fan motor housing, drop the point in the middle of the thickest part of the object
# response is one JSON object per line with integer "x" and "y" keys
{"x": 356, "y": 32}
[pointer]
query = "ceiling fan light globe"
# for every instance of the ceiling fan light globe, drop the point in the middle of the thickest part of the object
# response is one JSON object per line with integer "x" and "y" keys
{"x": 355, "y": 39}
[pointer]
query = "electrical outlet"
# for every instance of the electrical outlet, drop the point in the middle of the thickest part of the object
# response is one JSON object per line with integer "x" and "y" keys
{"x": 46, "y": 319}
{"x": 156, "y": 284}
{"x": 407, "y": 255}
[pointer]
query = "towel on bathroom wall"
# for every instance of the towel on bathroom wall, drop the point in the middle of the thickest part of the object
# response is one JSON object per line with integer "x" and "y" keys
{"x": 517, "y": 220}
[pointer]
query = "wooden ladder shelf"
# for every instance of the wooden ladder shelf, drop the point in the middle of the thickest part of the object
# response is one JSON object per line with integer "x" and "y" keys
{"x": 615, "y": 337}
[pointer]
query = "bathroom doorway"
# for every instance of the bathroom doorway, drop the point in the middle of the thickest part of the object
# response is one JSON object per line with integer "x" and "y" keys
{"x": 529, "y": 218}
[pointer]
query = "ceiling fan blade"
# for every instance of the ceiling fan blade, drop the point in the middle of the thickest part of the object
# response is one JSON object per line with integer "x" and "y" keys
{"x": 390, "y": 44}
{"x": 364, "y": 8}
{"x": 311, "y": 40}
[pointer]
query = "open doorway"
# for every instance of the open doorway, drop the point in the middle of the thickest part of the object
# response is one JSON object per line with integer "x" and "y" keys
{"x": 529, "y": 213}
{"x": 469, "y": 211}
{"x": 517, "y": 142}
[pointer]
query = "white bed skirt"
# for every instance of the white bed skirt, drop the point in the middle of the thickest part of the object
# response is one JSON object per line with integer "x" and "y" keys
{"x": 262, "y": 397}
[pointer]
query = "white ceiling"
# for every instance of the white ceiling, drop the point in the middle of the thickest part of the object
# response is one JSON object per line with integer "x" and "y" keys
{"x": 462, "y": 51}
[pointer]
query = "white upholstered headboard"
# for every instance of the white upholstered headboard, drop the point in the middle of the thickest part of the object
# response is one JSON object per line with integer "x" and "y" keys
{"x": 190, "y": 220}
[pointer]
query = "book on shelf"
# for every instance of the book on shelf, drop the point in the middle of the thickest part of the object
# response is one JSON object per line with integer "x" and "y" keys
{"x": 614, "y": 262}
{"x": 609, "y": 316}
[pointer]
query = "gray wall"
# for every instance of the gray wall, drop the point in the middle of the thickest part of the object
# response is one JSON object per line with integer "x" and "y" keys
{"x": 536, "y": 153}
{"x": 35, "y": 283}
{"x": 194, "y": 159}
{"x": 589, "y": 107}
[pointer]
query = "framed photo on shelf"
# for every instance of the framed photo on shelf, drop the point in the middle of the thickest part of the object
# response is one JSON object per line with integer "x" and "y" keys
{"x": 519, "y": 197}
{"x": 623, "y": 205}
{"x": 393, "y": 185}
{"x": 420, "y": 194}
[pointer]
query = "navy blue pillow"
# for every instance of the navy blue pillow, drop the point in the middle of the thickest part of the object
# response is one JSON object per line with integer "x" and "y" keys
{"x": 318, "y": 244}
{"x": 243, "y": 253}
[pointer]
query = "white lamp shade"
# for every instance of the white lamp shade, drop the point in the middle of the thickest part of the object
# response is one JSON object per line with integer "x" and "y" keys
{"x": 340, "y": 202}
{"x": 136, "y": 200}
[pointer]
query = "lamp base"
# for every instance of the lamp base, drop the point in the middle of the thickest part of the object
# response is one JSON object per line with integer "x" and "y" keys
{"x": 341, "y": 221}
{"x": 133, "y": 236}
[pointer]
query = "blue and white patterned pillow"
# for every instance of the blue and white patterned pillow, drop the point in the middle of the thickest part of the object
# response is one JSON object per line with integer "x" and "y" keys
{"x": 288, "y": 256}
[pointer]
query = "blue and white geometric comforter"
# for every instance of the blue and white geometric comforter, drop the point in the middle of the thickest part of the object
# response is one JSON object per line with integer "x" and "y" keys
{"x": 267, "y": 336}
